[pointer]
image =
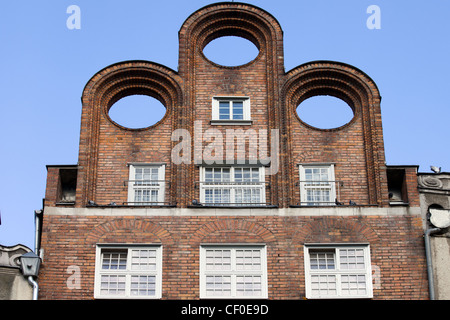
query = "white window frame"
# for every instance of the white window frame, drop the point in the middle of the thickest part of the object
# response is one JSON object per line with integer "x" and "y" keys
{"x": 246, "y": 117}
{"x": 306, "y": 186}
{"x": 129, "y": 273}
{"x": 235, "y": 273}
{"x": 233, "y": 185}
{"x": 149, "y": 186}
{"x": 340, "y": 274}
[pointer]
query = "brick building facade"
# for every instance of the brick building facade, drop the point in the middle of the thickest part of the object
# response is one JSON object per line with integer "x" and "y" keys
{"x": 178, "y": 211}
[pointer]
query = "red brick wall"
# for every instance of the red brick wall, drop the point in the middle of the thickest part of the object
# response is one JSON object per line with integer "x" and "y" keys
{"x": 395, "y": 245}
{"x": 52, "y": 186}
{"x": 356, "y": 150}
{"x": 412, "y": 186}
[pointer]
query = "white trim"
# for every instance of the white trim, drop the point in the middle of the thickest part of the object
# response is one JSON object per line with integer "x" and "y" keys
{"x": 215, "y": 108}
{"x": 146, "y": 164}
{"x": 331, "y": 186}
{"x": 233, "y": 185}
{"x": 128, "y": 272}
{"x": 133, "y": 187}
{"x": 336, "y": 211}
{"x": 233, "y": 273}
{"x": 338, "y": 272}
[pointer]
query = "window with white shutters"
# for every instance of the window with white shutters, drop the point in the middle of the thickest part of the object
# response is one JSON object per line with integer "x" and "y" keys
{"x": 338, "y": 271}
{"x": 128, "y": 272}
{"x": 233, "y": 272}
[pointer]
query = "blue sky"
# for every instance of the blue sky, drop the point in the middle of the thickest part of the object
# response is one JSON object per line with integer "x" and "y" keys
{"x": 44, "y": 67}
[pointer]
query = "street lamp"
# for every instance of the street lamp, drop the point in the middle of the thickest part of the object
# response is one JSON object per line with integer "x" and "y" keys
{"x": 29, "y": 265}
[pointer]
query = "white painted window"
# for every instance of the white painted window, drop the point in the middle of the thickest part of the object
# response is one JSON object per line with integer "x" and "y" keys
{"x": 340, "y": 271}
{"x": 317, "y": 185}
{"x": 123, "y": 272}
{"x": 146, "y": 184}
{"x": 232, "y": 186}
{"x": 233, "y": 271}
{"x": 230, "y": 109}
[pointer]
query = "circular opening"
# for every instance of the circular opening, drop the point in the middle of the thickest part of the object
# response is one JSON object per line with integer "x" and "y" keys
{"x": 325, "y": 112}
{"x": 231, "y": 51}
{"x": 137, "y": 111}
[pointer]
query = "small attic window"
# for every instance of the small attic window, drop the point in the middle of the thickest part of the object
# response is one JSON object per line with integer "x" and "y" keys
{"x": 397, "y": 186}
{"x": 67, "y": 185}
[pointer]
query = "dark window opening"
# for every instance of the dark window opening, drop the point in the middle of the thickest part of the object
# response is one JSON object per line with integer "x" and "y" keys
{"x": 397, "y": 186}
{"x": 68, "y": 185}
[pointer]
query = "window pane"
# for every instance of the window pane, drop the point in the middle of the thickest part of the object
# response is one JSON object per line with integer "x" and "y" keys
{"x": 247, "y": 195}
{"x": 217, "y": 175}
{"x": 143, "y": 259}
{"x": 138, "y": 174}
{"x": 317, "y": 176}
{"x": 321, "y": 260}
{"x": 208, "y": 174}
{"x": 238, "y": 175}
{"x": 144, "y": 196}
{"x": 323, "y": 285}
{"x": 217, "y": 195}
{"x": 224, "y": 110}
{"x": 248, "y": 259}
{"x": 318, "y": 195}
{"x": 351, "y": 259}
{"x": 218, "y": 285}
{"x": 142, "y": 285}
{"x": 114, "y": 260}
{"x": 226, "y": 174}
{"x": 238, "y": 110}
{"x": 353, "y": 285}
{"x": 218, "y": 259}
{"x": 248, "y": 286}
{"x": 112, "y": 285}
{"x": 247, "y": 174}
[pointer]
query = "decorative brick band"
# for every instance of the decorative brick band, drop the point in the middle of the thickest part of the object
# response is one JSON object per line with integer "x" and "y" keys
{"x": 335, "y": 229}
{"x": 129, "y": 227}
{"x": 234, "y": 225}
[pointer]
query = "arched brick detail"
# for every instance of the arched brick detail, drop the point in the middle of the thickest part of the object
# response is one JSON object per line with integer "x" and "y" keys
{"x": 130, "y": 227}
{"x": 335, "y": 230}
{"x": 231, "y": 19}
{"x": 360, "y": 92}
{"x": 336, "y": 79}
{"x": 234, "y": 226}
{"x": 101, "y": 92}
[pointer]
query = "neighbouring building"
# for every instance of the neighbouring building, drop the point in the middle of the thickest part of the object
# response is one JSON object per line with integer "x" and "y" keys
{"x": 13, "y": 285}
{"x": 231, "y": 194}
{"x": 434, "y": 189}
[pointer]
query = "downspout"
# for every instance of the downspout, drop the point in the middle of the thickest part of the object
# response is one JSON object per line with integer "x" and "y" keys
{"x": 38, "y": 216}
{"x": 35, "y": 287}
{"x": 428, "y": 233}
{"x": 37, "y": 231}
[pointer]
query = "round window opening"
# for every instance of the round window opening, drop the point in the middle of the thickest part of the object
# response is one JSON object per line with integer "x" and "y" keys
{"x": 137, "y": 111}
{"x": 325, "y": 112}
{"x": 231, "y": 51}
